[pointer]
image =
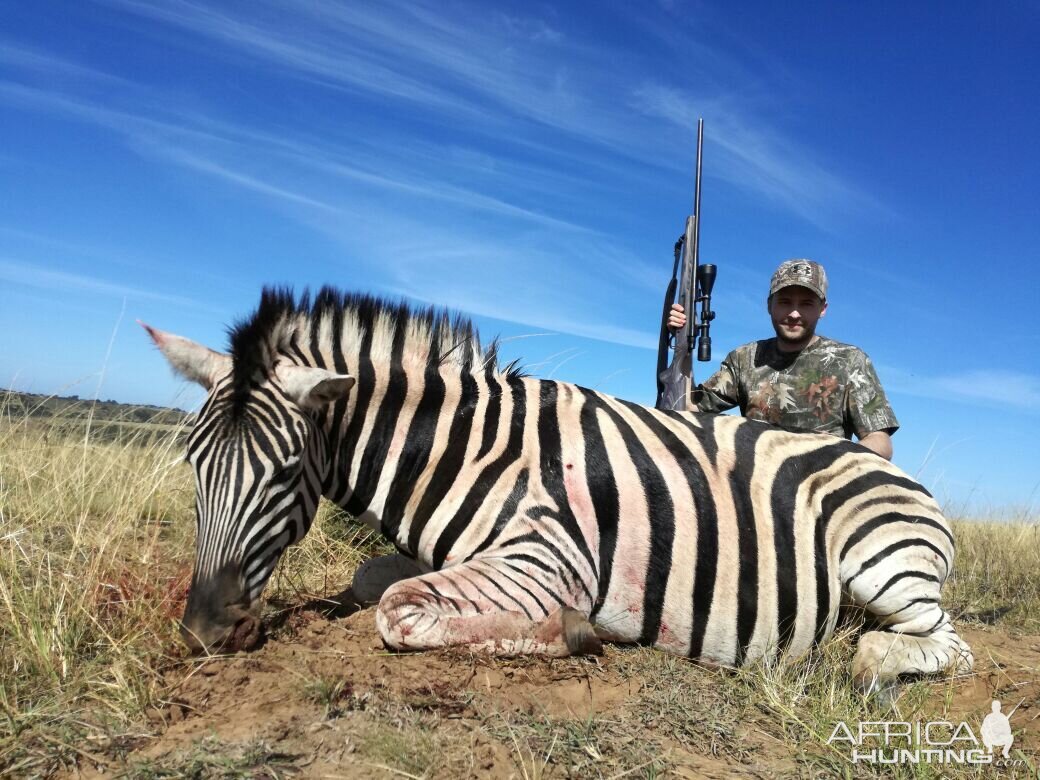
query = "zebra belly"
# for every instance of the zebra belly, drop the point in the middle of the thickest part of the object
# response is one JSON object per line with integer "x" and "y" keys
{"x": 741, "y": 619}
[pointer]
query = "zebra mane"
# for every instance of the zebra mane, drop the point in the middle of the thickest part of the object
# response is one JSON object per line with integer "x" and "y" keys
{"x": 430, "y": 337}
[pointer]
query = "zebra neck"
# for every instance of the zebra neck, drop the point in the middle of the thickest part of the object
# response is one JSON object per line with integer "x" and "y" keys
{"x": 402, "y": 442}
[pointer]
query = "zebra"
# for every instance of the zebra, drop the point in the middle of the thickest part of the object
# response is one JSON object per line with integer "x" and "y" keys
{"x": 548, "y": 517}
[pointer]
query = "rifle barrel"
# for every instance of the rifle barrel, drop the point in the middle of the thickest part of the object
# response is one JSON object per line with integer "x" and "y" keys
{"x": 697, "y": 194}
{"x": 695, "y": 241}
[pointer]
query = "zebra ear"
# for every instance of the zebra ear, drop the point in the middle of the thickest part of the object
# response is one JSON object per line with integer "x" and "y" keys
{"x": 313, "y": 388}
{"x": 192, "y": 361}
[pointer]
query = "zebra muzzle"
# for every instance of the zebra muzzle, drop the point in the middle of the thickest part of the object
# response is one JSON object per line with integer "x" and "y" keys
{"x": 243, "y": 632}
{"x": 219, "y": 616}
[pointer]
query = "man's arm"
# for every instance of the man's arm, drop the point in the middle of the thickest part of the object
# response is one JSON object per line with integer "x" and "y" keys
{"x": 880, "y": 442}
{"x": 872, "y": 418}
{"x": 720, "y": 392}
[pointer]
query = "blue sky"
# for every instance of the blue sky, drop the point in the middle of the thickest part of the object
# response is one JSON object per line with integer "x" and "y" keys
{"x": 531, "y": 165}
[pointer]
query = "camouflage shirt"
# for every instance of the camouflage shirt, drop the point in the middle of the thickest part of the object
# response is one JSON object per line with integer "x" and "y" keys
{"x": 828, "y": 387}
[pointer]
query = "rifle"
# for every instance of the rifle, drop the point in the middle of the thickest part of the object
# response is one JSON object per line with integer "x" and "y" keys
{"x": 694, "y": 284}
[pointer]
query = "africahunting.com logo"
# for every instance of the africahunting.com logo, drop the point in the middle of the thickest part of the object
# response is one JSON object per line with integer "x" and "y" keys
{"x": 928, "y": 742}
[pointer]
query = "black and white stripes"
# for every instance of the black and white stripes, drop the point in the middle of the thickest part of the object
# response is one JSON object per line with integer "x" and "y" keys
{"x": 713, "y": 537}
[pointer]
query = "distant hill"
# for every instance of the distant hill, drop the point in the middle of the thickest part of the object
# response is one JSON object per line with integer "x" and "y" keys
{"x": 17, "y": 406}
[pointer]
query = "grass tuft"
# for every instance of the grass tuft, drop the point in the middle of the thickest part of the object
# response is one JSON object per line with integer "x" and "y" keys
{"x": 95, "y": 551}
{"x": 213, "y": 759}
{"x": 996, "y": 576}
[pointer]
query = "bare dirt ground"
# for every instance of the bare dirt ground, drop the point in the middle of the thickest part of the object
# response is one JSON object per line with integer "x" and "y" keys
{"x": 323, "y": 698}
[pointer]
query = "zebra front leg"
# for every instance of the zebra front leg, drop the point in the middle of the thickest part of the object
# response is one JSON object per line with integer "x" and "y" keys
{"x": 485, "y": 605}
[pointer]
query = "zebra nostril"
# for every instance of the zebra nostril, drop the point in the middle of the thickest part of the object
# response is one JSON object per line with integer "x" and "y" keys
{"x": 245, "y": 635}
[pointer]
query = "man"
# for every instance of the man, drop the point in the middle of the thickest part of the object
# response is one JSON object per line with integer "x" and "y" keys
{"x": 800, "y": 379}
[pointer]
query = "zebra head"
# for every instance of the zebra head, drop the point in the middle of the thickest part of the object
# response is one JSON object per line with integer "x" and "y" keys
{"x": 260, "y": 460}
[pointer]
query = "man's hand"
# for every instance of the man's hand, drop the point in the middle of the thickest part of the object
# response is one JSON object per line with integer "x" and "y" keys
{"x": 676, "y": 317}
{"x": 880, "y": 442}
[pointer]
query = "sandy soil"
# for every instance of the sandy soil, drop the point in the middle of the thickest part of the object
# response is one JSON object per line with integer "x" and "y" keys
{"x": 325, "y": 699}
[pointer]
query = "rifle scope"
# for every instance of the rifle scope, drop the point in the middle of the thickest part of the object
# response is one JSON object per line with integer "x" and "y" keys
{"x": 706, "y": 278}
{"x": 705, "y": 282}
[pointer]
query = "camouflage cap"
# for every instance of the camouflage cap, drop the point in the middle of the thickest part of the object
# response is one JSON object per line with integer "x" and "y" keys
{"x": 800, "y": 272}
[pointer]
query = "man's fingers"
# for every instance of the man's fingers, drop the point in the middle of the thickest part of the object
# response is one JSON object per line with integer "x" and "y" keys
{"x": 676, "y": 317}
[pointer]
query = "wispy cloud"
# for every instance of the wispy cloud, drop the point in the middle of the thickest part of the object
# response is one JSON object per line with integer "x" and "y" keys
{"x": 31, "y": 60}
{"x": 438, "y": 263}
{"x": 445, "y": 192}
{"x": 1012, "y": 388}
{"x": 524, "y": 311}
{"x": 404, "y": 205}
{"x": 418, "y": 54}
{"x": 167, "y": 139}
{"x": 118, "y": 259}
{"x": 484, "y": 75}
{"x": 251, "y": 183}
{"x": 311, "y": 52}
{"x": 992, "y": 389}
{"x": 125, "y": 122}
{"x": 475, "y": 73}
{"x": 757, "y": 157}
{"x": 563, "y": 289}
{"x": 33, "y": 275}
{"x": 488, "y": 72}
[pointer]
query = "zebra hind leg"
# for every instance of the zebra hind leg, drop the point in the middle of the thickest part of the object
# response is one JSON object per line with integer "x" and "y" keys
{"x": 468, "y": 606}
{"x": 916, "y": 636}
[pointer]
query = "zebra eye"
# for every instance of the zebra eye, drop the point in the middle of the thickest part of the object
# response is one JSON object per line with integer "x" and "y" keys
{"x": 282, "y": 476}
{"x": 285, "y": 471}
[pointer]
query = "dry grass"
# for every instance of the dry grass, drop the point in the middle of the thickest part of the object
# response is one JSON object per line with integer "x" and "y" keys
{"x": 212, "y": 758}
{"x": 95, "y": 557}
{"x": 96, "y": 548}
{"x": 996, "y": 578}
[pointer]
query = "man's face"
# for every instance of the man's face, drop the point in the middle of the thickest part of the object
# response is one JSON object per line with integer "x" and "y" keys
{"x": 795, "y": 312}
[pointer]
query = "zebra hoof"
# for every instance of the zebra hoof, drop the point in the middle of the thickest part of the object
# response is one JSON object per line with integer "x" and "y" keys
{"x": 579, "y": 634}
